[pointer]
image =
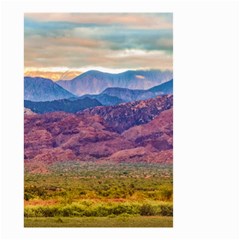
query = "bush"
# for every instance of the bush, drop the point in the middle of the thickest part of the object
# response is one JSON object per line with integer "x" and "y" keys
{"x": 28, "y": 196}
{"x": 147, "y": 210}
{"x": 167, "y": 210}
{"x": 28, "y": 212}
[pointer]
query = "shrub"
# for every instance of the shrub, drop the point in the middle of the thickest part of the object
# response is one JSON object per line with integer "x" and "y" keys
{"x": 27, "y": 196}
{"x": 28, "y": 212}
{"x": 167, "y": 210}
{"x": 124, "y": 217}
{"x": 147, "y": 210}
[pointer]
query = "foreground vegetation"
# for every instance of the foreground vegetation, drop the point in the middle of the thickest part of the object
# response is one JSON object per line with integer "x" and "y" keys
{"x": 88, "y": 209}
{"x": 93, "y": 194}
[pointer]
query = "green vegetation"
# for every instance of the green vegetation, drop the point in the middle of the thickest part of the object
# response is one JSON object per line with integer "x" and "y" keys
{"x": 99, "y": 210}
{"x": 120, "y": 221}
{"x": 94, "y": 191}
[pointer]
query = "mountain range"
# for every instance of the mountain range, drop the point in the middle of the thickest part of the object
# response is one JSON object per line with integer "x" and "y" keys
{"x": 129, "y": 132}
{"x": 95, "y": 82}
{"x": 105, "y": 87}
{"x": 109, "y": 97}
{"x": 128, "y": 95}
{"x": 98, "y": 116}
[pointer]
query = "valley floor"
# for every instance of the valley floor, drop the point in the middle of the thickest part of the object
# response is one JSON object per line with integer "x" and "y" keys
{"x": 119, "y": 221}
{"x": 77, "y": 194}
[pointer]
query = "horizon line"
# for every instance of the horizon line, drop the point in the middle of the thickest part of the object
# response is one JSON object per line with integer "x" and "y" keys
{"x": 57, "y": 74}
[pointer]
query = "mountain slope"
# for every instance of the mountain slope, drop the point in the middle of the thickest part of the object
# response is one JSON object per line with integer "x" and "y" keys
{"x": 126, "y": 115}
{"x": 129, "y": 95}
{"x": 43, "y": 89}
{"x": 65, "y": 105}
{"x": 165, "y": 88}
{"x": 94, "y": 82}
{"x": 94, "y": 135}
{"x": 152, "y": 132}
{"x": 105, "y": 99}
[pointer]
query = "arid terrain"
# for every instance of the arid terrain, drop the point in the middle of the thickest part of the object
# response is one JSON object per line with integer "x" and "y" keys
{"x": 129, "y": 132}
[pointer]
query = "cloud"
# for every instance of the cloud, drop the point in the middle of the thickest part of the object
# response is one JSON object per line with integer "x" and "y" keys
{"x": 67, "y": 74}
{"x": 76, "y": 58}
{"x": 64, "y": 73}
{"x": 136, "y": 53}
{"x": 117, "y": 41}
{"x": 129, "y": 20}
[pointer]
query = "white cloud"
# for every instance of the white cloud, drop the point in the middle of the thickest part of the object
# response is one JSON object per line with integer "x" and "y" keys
{"x": 136, "y": 53}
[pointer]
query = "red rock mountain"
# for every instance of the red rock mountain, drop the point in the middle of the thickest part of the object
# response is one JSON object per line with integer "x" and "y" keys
{"x": 136, "y": 131}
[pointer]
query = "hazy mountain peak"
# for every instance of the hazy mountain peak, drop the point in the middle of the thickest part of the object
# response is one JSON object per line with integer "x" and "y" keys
{"x": 94, "y": 82}
{"x": 43, "y": 89}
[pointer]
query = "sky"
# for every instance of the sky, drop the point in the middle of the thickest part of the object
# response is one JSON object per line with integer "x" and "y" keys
{"x": 63, "y": 45}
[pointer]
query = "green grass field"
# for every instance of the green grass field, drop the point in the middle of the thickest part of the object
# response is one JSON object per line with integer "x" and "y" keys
{"x": 120, "y": 221}
{"x": 78, "y": 194}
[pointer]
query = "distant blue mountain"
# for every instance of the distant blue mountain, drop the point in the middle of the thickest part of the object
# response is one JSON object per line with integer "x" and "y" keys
{"x": 109, "y": 97}
{"x": 42, "y": 89}
{"x": 165, "y": 88}
{"x": 128, "y": 95}
{"x": 104, "y": 99}
{"x": 65, "y": 105}
{"x": 94, "y": 82}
